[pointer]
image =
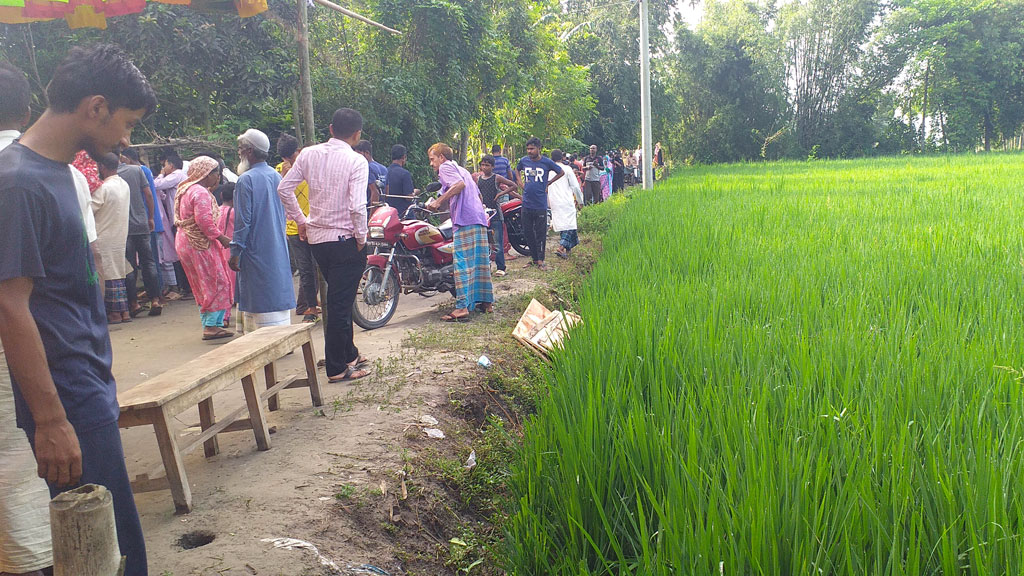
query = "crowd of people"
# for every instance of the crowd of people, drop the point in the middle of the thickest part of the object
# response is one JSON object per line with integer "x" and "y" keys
{"x": 83, "y": 221}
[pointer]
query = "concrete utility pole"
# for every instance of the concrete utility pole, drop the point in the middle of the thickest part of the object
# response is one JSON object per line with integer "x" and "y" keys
{"x": 645, "y": 99}
{"x": 308, "y": 133}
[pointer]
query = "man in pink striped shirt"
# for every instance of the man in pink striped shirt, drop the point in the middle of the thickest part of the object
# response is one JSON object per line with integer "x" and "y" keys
{"x": 336, "y": 231}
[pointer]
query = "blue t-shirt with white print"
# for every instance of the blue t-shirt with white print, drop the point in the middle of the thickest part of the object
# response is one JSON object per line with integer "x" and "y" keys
{"x": 535, "y": 181}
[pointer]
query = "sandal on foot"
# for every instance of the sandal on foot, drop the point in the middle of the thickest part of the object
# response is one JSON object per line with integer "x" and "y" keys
{"x": 359, "y": 362}
{"x": 350, "y": 375}
{"x": 485, "y": 308}
{"x": 453, "y": 318}
{"x": 136, "y": 312}
{"x": 155, "y": 310}
{"x": 222, "y": 333}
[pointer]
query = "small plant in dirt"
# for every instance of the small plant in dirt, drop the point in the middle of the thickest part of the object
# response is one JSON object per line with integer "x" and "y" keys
{"x": 345, "y": 492}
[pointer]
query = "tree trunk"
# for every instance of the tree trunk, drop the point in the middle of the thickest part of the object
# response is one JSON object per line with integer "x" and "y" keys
{"x": 84, "y": 537}
{"x": 924, "y": 106}
{"x": 463, "y": 144}
{"x": 989, "y": 131}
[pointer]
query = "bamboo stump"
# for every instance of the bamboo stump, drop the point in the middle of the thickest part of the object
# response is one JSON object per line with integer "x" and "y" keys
{"x": 84, "y": 534}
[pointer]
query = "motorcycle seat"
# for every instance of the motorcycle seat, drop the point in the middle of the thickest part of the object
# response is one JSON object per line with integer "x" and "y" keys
{"x": 447, "y": 230}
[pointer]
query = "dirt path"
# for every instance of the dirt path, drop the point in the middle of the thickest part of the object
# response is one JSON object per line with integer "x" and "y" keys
{"x": 333, "y": 476}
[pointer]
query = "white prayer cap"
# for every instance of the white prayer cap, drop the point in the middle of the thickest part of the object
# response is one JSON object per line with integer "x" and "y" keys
{"x": 258, "y": 140}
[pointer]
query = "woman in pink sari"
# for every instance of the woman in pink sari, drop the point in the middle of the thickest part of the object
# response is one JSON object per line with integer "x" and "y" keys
{"x": 200, "y": 243}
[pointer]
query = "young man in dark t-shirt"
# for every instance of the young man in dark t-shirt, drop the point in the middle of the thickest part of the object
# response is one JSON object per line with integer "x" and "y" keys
{"x": 534, "y": 170}
{"x": 398, "y": 190}
{"x": 52, "y": 320}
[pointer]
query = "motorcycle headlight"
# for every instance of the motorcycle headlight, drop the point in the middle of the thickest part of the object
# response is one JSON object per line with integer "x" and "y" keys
{"x": 376, "y": 232}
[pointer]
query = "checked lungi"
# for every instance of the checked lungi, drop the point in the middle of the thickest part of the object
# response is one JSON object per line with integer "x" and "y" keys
{"x": 115, "y": 296}
{"x": 472, "y": 267}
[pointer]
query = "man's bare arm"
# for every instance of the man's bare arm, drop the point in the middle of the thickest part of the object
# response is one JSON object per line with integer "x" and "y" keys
{"x": 58, "y": 455}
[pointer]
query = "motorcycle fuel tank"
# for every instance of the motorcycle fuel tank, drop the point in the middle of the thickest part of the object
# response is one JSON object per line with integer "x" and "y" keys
{"x": 420, "y": 234}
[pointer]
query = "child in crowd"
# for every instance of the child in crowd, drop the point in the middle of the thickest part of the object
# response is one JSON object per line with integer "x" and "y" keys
{"x": 226, "y": 193}
{"x": 492, "y": 186}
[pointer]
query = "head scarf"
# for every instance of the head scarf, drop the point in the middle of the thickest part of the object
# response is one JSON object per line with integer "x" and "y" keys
{"x": 198, "y": 169}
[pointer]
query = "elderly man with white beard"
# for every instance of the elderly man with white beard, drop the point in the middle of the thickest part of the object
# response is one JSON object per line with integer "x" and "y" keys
{"x": 259, "y": 248}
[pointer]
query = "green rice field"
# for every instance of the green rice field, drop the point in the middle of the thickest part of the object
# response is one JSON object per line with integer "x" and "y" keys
{"x": 791, "y": 369}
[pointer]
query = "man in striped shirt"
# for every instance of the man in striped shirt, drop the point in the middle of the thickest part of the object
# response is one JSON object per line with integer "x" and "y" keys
{"x": 335, "y": 230}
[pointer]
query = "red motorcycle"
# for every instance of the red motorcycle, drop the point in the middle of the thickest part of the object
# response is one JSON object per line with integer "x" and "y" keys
{"x": 411, "y": 256}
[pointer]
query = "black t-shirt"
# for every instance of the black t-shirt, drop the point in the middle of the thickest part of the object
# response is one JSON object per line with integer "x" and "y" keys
{"x": 42, "y": 237}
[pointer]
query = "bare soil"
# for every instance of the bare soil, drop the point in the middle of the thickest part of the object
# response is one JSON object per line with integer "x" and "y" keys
{"x": 358, "y": 478}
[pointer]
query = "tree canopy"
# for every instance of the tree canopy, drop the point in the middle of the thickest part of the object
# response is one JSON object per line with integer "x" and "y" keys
{"x": 752, "y": 79}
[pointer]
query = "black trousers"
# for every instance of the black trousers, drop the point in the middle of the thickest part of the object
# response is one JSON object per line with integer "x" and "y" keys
{"x": 535, "y": 228}
{"x": 303, "y": 256}
{"x": 139, "y": 252}
{"x": 342, "y": 264}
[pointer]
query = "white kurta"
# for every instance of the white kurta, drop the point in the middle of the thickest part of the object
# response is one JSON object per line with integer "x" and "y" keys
{"x": 110, "y": 206}
{"x": 25, "y": 544}
{"x": 561, "y": 200}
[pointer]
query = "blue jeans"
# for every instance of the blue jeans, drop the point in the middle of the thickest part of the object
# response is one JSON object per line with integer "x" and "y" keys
{"x": 498, "y": 239}
{"x": 103, "y": 464}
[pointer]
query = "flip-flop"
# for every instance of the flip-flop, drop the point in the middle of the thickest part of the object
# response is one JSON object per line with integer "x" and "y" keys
{"x": 359, "y": 362}
{"x": 136, "y": 312}
{"x": 451, "y": 318}
{"x": 350, "y": 375}
{"x": 218, "y": 335}
{"x": 155, "y": 310}
{"x": 485, "y": 308}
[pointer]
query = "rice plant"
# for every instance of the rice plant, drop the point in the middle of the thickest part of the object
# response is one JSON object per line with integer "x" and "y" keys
{"x": 796, "y": 368}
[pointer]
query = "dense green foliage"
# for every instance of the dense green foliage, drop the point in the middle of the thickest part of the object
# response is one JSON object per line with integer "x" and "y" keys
{"x": 791, "y": 368}
{"x": 748, "y": 79}
{"x": 843, "y": 78}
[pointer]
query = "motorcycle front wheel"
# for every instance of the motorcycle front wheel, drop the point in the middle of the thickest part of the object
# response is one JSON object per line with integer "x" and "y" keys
{"x": 376, "y": 301}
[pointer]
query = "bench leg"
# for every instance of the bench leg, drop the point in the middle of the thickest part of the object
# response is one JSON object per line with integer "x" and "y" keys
{"x": 256, "y": 415}
{"x": 270, "y": 373}
{"x": 314, "y": 383}
{"x": 173, "y": 465}
{"x": 206, "y": 420}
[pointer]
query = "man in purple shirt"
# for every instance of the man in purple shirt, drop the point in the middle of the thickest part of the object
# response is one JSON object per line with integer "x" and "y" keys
{"x": 472, "y": 251}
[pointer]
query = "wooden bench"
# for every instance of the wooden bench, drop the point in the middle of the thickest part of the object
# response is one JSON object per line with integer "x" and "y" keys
{"x": 158, "y": 400}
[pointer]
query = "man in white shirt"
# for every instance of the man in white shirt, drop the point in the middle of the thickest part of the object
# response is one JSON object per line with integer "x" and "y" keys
{"x": 25, "y": 546}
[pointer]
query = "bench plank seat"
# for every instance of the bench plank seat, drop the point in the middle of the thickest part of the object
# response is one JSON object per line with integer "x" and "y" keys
{"x": 158, "y": 400}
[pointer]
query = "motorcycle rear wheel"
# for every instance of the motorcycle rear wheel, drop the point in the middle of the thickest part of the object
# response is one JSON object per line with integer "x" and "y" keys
{"x": 514, "y": 226}
{"x": 375, "y": 305}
